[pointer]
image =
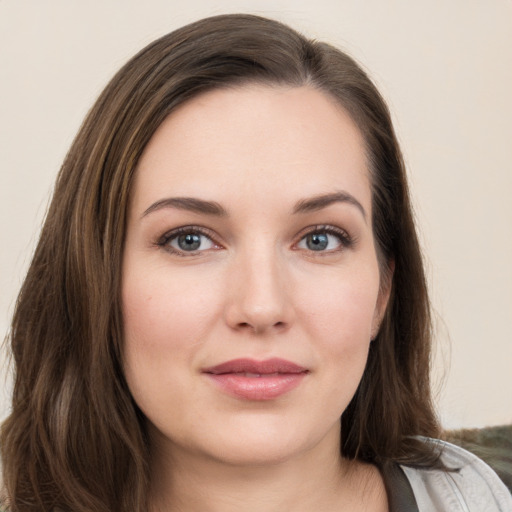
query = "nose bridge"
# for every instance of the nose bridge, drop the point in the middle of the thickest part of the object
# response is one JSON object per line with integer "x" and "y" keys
{"x": 259, "y": 292}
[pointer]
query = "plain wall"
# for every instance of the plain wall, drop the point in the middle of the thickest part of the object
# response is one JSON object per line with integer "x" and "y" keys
{"x": 445, "y": 68}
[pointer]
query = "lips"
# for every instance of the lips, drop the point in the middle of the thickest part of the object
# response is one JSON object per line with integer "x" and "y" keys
{"x": 256, "y": 380}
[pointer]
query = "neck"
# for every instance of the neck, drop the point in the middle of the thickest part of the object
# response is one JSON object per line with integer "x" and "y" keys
{"x": 317, "y": 479}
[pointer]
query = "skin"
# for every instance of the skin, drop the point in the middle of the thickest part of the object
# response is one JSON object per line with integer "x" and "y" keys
{"x": 253, "y": 289}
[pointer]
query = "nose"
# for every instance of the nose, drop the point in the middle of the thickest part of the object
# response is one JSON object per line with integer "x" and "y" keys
{"x": 259, "y": 291}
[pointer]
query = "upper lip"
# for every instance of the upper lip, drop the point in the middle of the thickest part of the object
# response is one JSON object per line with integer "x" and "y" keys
{"x": 268, "y": 366}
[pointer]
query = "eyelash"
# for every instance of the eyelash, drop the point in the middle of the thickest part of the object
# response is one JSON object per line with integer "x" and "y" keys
{"x": 345, "y": 240}
{"x": 164, "y": 241}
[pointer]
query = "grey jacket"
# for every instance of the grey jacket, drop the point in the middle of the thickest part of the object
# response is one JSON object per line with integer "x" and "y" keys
{"x": 475, "y": 487}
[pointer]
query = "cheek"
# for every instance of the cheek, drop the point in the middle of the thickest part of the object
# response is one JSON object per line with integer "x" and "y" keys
{"x": 163, "y": 311}
{"x": 340, "y": 310}
{"x": 339, "y": 317}
{"x": 166, "y": 321}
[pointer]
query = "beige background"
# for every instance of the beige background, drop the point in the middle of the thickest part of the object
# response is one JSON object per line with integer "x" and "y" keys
{"x": 445, "y": 68}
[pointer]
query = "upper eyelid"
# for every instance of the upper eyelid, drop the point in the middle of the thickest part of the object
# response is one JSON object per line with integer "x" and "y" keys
{"x": 172, "y": 233}
{"x": 319, "y": 228}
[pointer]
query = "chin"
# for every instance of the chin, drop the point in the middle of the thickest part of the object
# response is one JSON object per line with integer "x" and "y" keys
{"x": 247, "y": 453}
{"x": 263, "y": 444}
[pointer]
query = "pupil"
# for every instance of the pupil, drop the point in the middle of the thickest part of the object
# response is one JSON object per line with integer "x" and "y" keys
{"x": 317, "y": 242}
{"x": 189, "y": 242}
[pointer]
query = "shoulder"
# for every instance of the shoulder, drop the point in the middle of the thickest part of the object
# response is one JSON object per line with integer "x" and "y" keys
{"x": 474, "y": 486}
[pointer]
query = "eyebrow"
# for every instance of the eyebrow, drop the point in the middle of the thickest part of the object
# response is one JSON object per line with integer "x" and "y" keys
{"x": 196, "y": 205}
{"x": 316, "y": 203}
{"x": 191, "y": 204}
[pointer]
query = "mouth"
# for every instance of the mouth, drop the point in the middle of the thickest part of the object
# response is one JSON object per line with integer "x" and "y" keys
{"x": 249, "y": 379}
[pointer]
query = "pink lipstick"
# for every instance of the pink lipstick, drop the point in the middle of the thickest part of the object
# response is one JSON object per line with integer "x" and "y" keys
{"x": 256, "y": 380}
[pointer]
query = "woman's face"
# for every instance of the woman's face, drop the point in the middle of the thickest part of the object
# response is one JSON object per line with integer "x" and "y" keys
{"x": 250, "y": 282}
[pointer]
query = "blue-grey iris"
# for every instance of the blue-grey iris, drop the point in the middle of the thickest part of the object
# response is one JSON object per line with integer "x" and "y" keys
{"x": 189, "y": 242}
{"x": 317, "y": 241}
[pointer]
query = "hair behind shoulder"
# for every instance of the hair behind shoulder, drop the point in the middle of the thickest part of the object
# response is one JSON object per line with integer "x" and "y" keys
{"x": 75, "y": 439}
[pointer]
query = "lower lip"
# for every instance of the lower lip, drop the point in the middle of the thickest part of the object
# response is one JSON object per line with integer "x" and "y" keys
{"x": 257, "y": 388}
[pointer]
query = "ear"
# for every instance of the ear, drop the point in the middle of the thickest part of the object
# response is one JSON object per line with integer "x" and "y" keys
{"x": 386, "y": 284}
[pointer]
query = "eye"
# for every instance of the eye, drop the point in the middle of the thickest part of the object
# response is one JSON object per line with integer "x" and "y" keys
{"x": 325, "y": 239}
{"x": 187, "y": 240}
{"x": 191, "y": 242}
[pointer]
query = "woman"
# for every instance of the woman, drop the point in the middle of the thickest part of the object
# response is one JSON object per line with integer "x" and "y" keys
{"x": 227, "y": 306}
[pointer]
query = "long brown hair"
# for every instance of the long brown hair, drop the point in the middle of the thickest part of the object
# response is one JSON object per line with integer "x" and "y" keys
{"x": 75, "y": 439}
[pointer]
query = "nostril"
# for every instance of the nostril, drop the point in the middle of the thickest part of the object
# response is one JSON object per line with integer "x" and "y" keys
{"x": 248, "y": 325}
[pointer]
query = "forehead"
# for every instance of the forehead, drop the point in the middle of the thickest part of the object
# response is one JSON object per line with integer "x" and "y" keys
{"x": 249, "y": 136}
